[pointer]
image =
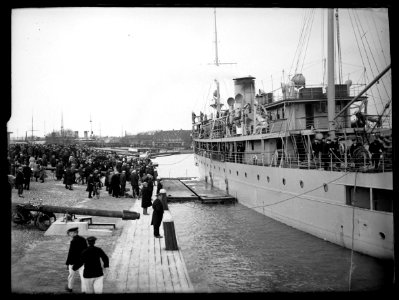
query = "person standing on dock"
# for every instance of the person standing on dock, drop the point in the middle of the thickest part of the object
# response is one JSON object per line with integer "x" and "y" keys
{"x": 93, "y": 273}
{"x": 159, "y": 185}
{"x": 157, "y": 215}
{"x": 146, "y": 198}
{"x": 115, "y": 184}
{"x": 134, "y": 181}
{"x": 123, "y": 183}
{"x": 77, "y": 245}
{"x": 27, "y": 175}
{"x": 19, "y": 181}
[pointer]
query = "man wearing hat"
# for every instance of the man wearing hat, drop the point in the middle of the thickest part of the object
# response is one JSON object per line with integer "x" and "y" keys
{"x": 134, "y": 181}
{"x": 157, "y": 214}
{"x": 159, "y": 185}
{"x": 77, "y": 245}
{"x": 93, "y": 271}
{"x": 19, "y": 181}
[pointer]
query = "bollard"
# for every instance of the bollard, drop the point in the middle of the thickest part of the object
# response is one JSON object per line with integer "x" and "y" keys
{"x": 169, "y": 232}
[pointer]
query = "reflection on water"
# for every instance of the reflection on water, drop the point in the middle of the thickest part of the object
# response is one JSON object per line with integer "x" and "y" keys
{"x": 230, "y": 248}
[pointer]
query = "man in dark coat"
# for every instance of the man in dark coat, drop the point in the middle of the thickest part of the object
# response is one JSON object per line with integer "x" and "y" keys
{"x": 69, "y": 178}
{"x": 77, "y": 245}
{"x": 19, "y": 181}
{"x": 157, "y": 215}
{"x": 59, "y": 170}
{"x": 123, "y": 183}
{"x": 93, "y": 271}
{"x": 134, "y": 181}
{"x": 146, "y": 198}
{"x": 376, "y": 148}
{"x": 159, "y": 185}
{"x": 115, "y": 184}
{"x": 150, "y": 183}
{"x": 90, "y": 184}
{"x": 53, "y": 161}
{"x": 27, "y": 175}
{"x": 111, "y": 173}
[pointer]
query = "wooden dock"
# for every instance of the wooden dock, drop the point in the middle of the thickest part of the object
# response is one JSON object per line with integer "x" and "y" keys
{"x": 189, "y": 190}
{"x": 140, "y": 263}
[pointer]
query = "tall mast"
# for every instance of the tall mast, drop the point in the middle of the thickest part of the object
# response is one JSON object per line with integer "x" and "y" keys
{"x": 330, "y": 74}
{"x": 217, "y": 104}
{"x": 216, "y": 42}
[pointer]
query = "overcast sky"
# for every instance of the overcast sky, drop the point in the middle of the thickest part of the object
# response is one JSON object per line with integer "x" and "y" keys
{"x": 141, "y": 69}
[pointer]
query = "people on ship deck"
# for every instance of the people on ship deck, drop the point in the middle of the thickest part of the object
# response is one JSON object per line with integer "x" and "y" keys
{"x": 376, "y": 148}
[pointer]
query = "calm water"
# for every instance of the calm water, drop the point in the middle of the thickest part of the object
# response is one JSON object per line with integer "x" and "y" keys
{"x": 230, "y": 248}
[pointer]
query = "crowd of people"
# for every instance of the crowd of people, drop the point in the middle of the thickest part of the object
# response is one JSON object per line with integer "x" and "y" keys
{"x": 81, "y": 164}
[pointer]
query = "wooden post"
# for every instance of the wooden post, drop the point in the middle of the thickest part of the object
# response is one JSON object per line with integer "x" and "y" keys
{"x": 169, "y": 231}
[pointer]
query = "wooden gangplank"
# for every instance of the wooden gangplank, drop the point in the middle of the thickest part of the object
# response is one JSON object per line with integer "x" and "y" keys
{"x": 207, "y": 193}
{"x": 176, "y": 191}
{"x": 190, "y": 189}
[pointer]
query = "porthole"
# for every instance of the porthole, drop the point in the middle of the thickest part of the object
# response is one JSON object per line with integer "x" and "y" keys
{"x": 284, "y": 181}
{"x": 268, "y": 179}
{"x": 245, "y": 174}
{"x": 258, "y": 177}
{"x": 301, "y": 183}
{"x": 382, "y": 235}
{"x": 325, "y": 187}
{"x": 237, "y": 173}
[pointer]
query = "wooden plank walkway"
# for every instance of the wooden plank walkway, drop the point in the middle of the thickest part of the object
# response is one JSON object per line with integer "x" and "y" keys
{"x": 177, "y": 191}
{"x": 140, "y": 263}
{"x": 207, "y": 193}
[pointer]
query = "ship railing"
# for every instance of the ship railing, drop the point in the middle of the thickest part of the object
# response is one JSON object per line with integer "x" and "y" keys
{"x": 290, "y": 159}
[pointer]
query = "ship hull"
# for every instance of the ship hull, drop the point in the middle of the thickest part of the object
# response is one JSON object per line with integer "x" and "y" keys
{"x": 313, "y": 201}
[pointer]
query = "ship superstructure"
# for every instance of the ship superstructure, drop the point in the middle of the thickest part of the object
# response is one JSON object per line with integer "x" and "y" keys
{"x": 304, "y": 158}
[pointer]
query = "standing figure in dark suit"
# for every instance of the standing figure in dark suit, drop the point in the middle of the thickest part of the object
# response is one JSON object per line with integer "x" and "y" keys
{"x": 146, "y": 198}
{"x": 90, "y": 184}
{"x": 134, "y": 181}
{"x": 123, "y": 183}
{"x": 27, "y": 175}
{"x": 19, "y": 181}
{"x": 157, "y": 215}
{"x": 77, "y": 245}
{"x": 69, "y": 178}
{"x": 376, "y": 148}
{"x": 115, "y": 184}
{"x": 93, "y": 271}
{"x": 59, "y": 170}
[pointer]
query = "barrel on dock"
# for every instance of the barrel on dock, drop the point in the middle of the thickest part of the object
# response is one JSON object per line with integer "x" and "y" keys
{"x": 169, "y": 231}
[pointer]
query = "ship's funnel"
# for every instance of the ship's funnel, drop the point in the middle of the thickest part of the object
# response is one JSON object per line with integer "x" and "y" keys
{"x": 245, "y": 86}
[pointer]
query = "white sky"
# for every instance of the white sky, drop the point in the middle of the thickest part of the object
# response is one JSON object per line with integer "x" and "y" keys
{"x": 141, "y": 69}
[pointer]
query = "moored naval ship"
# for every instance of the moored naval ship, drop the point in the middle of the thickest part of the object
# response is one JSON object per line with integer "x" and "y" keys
{"x": 312, "y": 158}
